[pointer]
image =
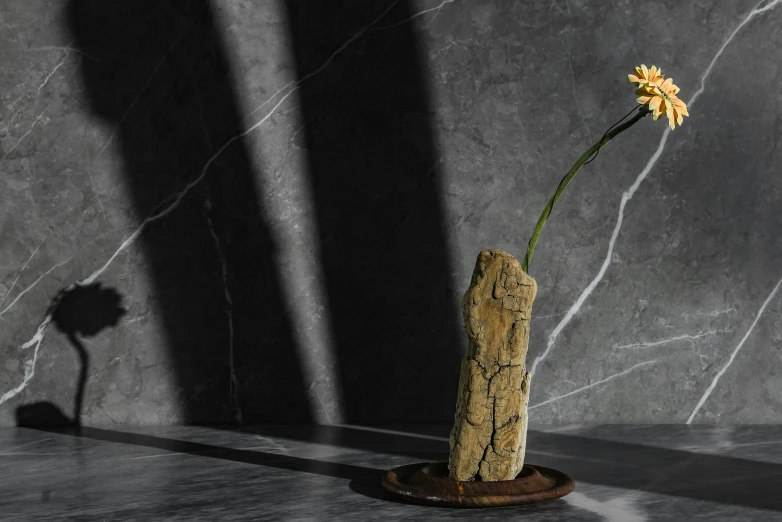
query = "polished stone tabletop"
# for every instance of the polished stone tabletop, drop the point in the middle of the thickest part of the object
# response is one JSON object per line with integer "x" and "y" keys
{"x": 623, "y": 473}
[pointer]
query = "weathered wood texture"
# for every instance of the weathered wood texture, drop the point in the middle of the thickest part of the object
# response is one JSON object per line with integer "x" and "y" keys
{"x": 490, "y": 429}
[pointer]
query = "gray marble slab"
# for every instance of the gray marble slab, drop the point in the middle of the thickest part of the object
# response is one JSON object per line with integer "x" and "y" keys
{"x": 627, "y": 473}
{"x": 288, "y": 198}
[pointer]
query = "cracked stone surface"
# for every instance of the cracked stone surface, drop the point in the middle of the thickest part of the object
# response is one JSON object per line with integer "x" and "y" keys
{"x": 490, "y": 428}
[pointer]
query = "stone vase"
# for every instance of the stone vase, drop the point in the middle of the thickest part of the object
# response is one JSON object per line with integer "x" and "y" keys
{"x": 488, "y": 439}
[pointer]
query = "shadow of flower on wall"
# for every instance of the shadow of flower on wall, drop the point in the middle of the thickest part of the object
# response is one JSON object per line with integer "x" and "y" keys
{"x": 76, "y": 311}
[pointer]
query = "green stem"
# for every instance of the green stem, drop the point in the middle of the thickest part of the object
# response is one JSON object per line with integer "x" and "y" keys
{"x": 643, "y": 111}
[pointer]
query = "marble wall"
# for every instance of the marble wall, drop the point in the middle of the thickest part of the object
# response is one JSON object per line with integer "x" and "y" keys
{"x": 267, "y": 212}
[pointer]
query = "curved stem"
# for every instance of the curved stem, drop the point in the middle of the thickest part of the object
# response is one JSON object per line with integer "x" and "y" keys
{"x": 643, "y": 111}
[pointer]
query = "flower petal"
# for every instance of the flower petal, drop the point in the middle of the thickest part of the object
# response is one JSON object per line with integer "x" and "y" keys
{"x": 663, "y": 108}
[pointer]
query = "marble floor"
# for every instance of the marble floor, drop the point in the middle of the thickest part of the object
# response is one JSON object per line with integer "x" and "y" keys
{"x": 623, "y": 473}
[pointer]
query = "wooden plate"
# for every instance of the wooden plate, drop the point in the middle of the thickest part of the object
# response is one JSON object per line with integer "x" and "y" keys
{"x": 428, "y": 484}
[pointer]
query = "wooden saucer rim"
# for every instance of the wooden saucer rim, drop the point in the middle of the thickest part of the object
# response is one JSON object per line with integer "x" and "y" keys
{"x": 430, "y": 492}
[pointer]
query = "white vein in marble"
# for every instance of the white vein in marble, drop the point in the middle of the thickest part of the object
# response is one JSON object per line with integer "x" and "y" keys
{"x": 628, "y": 195}
{"x": 722, "y": 371}
{"x": 682, "y": 337}
{"x": 32, "y": 126}
{"x": 233, "y": 385}
{"x": 173, "y": 202}
{"x": 140, "y": 93}
{"x": 592, "y": 385}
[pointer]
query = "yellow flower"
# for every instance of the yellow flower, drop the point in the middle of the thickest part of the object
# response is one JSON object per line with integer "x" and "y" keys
{"x": 644, "y": 76}
{"x": 659, "y": 94}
